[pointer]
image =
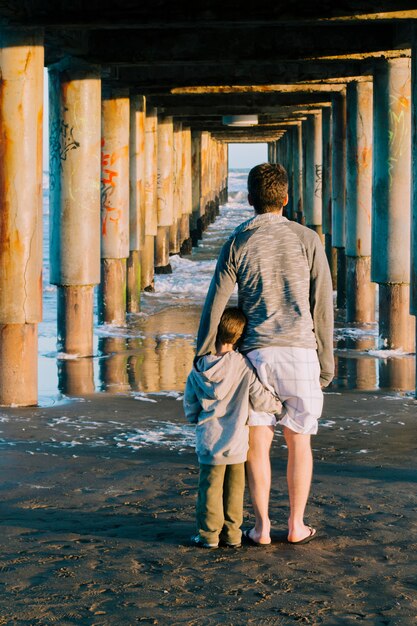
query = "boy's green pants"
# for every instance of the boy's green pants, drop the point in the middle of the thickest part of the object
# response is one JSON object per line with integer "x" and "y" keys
{"x": 220, "y": 502}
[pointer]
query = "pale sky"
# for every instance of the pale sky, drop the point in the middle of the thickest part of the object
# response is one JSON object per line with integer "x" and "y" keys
{"x": 247, "y": 154}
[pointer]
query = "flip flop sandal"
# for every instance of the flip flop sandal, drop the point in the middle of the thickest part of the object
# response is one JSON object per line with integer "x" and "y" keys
{"x": 310, "y": 537}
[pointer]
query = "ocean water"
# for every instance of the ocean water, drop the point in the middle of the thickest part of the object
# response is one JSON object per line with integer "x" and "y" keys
{"x": 153, "y": 352}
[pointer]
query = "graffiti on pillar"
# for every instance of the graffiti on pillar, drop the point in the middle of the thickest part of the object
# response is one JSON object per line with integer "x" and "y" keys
{"x": 109, "y": 178}
{"x": 399, "y": 127}
{"x": 62, "y": 141}
{"x": 318, "y": 175}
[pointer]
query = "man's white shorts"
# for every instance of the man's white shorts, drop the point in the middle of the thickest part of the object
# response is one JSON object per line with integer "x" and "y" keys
{"x": 294, "y": 375}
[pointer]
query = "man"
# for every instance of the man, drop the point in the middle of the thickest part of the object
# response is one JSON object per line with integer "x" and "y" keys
{"x": 285, "y": 291}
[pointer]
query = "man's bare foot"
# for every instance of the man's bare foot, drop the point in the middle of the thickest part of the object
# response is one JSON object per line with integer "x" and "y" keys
{"x": 255, "y": 538}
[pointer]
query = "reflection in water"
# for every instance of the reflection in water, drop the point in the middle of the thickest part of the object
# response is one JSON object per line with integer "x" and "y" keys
{"x": 153, "y": 364}
{"x": 356, "y": 370}
{"x": 357, "y": 366}
{"x": 113, "y": 364}
{"x": 155, "y": 353}
{"x": 397, "y": 374}
{"x": 76, "y": 376}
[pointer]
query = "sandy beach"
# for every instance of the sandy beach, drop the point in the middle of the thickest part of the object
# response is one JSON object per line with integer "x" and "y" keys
{"x": 98, "y": 507}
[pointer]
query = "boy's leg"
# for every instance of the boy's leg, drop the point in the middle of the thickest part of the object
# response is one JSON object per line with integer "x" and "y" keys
{"x": 210, "y": 502}
{"x": 258, "y": 467}
{"x": 233, "y": 493}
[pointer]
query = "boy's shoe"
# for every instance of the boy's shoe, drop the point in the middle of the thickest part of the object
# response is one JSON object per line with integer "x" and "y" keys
{"x": 227, "y": 544}
{"x": 196, "y": 540}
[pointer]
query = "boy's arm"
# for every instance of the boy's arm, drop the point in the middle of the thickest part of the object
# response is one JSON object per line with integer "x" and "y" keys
{"x": 321, "y": 307}
{"x": 261, "y": 399}
{"x": 221, "y": 288}
{"x": 191, "y": 404}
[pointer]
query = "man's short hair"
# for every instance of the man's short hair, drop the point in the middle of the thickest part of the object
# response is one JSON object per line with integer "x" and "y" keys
{"x": 231, "y": 326}
{"x": 268, "y": 187}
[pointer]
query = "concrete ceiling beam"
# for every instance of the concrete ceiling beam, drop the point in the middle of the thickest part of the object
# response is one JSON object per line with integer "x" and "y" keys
{"x": 228, "y": 104}
{"x": 253, "y": 43}
{"x": 132, "y": 14}
{"x": 160, "y": 78}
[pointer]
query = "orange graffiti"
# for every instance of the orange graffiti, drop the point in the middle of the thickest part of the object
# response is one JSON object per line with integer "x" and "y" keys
{"x": 365, "y": 157}
{"x": 107, "y": 159}
{"x": 109, "y": 181}
{"x": 404, "y": 102}
{"x": 110, "y": 218}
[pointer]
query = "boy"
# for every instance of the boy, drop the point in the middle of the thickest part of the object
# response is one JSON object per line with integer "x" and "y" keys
{"x": 219, "y": 392}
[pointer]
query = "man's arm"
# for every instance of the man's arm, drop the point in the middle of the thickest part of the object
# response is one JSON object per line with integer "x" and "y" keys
{"x": 220, "y": 290}
{"x": 321, "y": 306}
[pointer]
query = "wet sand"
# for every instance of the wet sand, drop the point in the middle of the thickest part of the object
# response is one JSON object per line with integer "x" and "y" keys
{"x": 98, "y": 504}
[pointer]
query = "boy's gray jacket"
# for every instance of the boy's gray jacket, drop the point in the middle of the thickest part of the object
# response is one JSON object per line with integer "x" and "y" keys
{"x": 218, "y": 395}
{"x": 284, "y": 288}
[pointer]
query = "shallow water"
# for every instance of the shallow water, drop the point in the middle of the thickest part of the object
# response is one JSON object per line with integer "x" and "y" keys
{"x": 153, "y": 352}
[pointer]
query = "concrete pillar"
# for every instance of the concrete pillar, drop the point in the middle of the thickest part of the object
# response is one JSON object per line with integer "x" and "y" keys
{"x": 21, "y": 106}
{"x": 204, "y": 187}
{"x": 165, "y": 196}
{"x": 298, "y": 169}
{"x": 308, "y": 167}
{"x": 208, "y": 163}
{"x": 339, "y": 192}
{"x": 295, "y": 166}
{"x": 289, "y": 209}
{"x": 314, "y": 168}
{"x": 75, "y": 134}
{"x": 391, "y": 212}
{"x": 270, "y": 152}
{"x": 318, "y": 175}
{"x": 360, "y": 303}
{"x": 178, "y": 174}
{"x": 136, "y": 201}
{"x": 304, "y": 148}
{"x": 225, "y": 194}
{"x": 186, "y": 195}
{"x": 195, "y": 224}
{"x": 216, "y": 176}
{"x": 150, "y": 223}
{"x": 277, "y": 153}
{"x": 114, "y": 207}
{"x": 413, "y": 276}
{"x": 331, "y": 252}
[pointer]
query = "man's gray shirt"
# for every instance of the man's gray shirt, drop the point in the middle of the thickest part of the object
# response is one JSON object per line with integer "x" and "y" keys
{"x": 284, "y": 289}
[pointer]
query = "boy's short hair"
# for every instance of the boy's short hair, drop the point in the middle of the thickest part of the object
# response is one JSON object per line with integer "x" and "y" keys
{"x": 231, "y": 326}
{"x": 268, "y": 187}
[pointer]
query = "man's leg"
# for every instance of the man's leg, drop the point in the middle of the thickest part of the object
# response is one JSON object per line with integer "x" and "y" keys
{"x": 258, "y": 468}
{"x": 299, "y": 475}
